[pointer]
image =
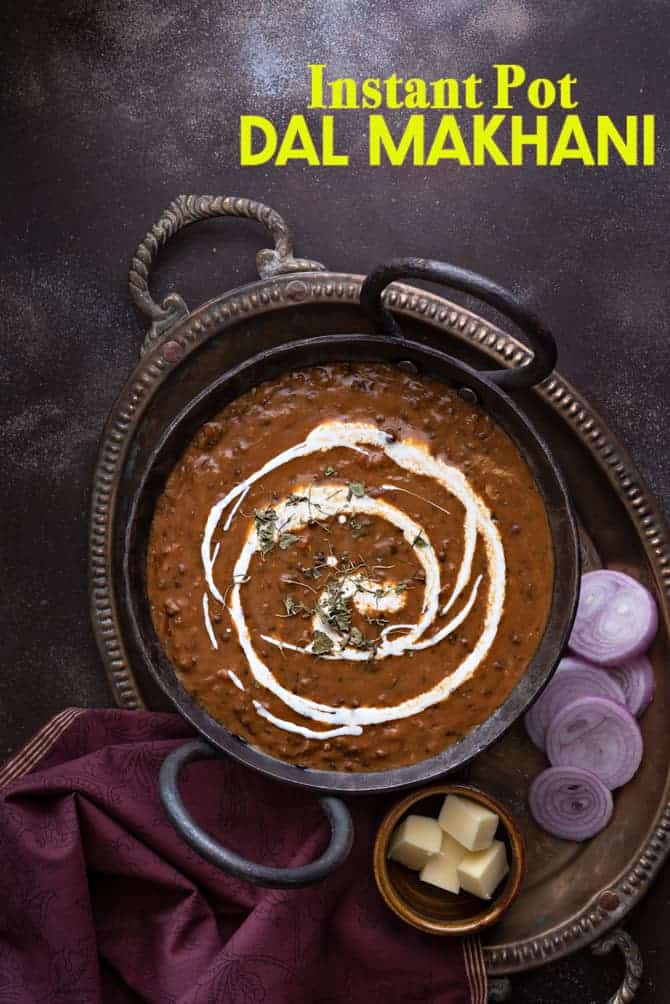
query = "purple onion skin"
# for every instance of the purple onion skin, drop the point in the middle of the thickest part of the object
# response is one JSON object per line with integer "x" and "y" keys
{"x": 572, "y": 681}
{"x": 569, "y": 662}
{"x": 534, "y": 719}
{"x": 535, "y": 725}
{"x": 593, "y": 634}
{"x": 598, "y": 735}
{"x": 570, "y": 803}
{"x": 636, "y": 679}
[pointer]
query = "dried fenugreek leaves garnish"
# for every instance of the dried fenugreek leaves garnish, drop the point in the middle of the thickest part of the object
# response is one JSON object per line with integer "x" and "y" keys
{"x": 321, "y": 643}
{"x": 266, "y": 527}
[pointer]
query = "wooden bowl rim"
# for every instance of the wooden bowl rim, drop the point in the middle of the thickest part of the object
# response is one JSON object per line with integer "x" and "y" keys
{"x": 490, "y": 912}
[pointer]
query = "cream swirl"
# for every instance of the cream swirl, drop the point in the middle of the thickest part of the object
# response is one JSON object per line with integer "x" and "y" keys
{"x": 291, "y": 515}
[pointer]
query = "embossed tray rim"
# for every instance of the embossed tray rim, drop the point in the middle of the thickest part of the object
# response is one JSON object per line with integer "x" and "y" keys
{"x": 595, "y": 919}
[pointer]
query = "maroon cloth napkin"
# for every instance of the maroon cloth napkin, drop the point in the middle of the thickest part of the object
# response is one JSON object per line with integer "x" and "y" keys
{"x": 101, "y": 901}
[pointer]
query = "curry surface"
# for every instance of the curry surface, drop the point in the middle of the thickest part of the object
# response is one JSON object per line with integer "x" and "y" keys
{"x": 284, "y": 584}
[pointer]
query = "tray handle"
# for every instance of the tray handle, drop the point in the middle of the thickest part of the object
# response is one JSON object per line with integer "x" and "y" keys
{"x": 500, "y": 990}
{"x": 187, "y": 209}
{"x": 632, "y": 957}
{"x": 339, "y": 817}
{"x": 541, "y": 340}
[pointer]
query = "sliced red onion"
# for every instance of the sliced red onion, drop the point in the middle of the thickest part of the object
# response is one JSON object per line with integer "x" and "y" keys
{"x": 636, "y": 679}
{"x": 598, "y": 735}
{"x": 617, "y": 618}
{"x": 535, "y": 720}
{"x": 570, "y": 803}
{"x": 569, "y": 684}
{"x": 571, "y": 662}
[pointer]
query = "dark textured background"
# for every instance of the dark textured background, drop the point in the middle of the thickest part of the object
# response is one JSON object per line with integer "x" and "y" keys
{"x": 111, "y": 109}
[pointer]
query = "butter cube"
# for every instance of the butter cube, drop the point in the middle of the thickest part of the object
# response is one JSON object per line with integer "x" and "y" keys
{"x": 480, "y": 872}
{"x": 415, "y": 840}
{"x": 441, "y": 869}
{"x": 472, "y": 824}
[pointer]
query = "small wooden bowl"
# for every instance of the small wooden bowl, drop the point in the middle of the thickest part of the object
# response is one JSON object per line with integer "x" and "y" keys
{"x": 427, "y": 907}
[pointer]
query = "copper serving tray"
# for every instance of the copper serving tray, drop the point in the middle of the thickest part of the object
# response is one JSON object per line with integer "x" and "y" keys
{"x": 573, "y": 894}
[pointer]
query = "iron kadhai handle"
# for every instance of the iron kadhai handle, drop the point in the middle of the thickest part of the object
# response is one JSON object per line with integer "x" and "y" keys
{"x": 335, "y": 854}
{"x": 541, "y": 340}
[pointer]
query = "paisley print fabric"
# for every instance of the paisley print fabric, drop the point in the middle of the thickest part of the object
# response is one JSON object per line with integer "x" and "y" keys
{"x": 103, "y": 902}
